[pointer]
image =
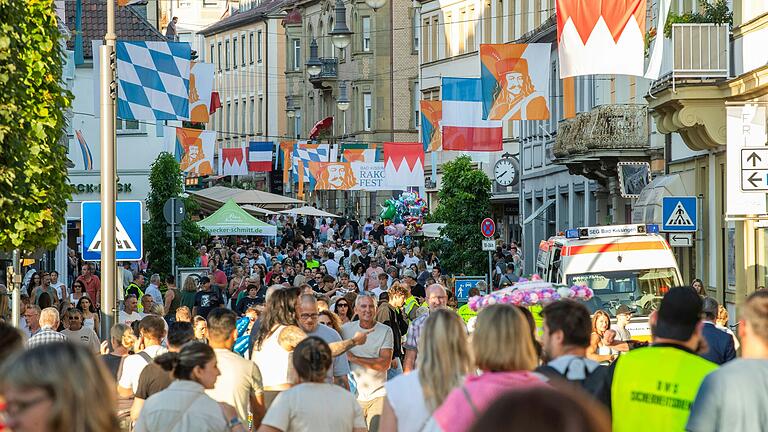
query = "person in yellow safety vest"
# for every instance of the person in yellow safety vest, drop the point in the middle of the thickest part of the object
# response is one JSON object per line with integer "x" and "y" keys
{"x": 653, "y": 388}
{"x": 464, "y": 311}
{"x": 135, "y": 288}
{"x": 411, "y": 305}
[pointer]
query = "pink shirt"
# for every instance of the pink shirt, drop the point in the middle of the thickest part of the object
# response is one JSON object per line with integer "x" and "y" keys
{"x": 456, "y": 415}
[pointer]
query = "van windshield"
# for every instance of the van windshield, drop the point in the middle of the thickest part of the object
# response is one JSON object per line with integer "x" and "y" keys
{"x": 641, "y": 290}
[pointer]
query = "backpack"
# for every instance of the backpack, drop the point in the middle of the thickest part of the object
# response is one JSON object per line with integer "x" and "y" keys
{"x": 597, "y": 383}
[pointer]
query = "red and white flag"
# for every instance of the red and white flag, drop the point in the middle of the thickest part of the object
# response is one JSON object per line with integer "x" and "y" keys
{"x": 403, "y": 165}
{"x": 601, "y": 37}
{"x": 232, "y": 161}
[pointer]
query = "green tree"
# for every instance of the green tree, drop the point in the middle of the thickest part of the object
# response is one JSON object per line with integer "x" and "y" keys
{"x": 165, "y": 182}
{"x": 465, "y": 200}
{"x": 33, "y": 175}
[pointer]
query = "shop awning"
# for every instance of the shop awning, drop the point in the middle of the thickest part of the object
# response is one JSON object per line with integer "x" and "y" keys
{"x": 647, "y": 209}
{"x": 212, "y": 198}
{"x": 309, "y": 211}
{"x": 538, "y": 211}
{"x": 261, "y": 211}
{"x": 432, "y": 230}
{"x": 230, "y": 219}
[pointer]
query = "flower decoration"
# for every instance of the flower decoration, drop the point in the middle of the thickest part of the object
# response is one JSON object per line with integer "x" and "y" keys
{"x": 529, "y": 292}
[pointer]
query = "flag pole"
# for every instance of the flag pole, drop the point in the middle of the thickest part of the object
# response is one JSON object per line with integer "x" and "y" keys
{"x": 107, "y": 69}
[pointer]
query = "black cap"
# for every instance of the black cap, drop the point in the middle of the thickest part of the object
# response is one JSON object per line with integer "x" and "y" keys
{"x": 678, "y": 314}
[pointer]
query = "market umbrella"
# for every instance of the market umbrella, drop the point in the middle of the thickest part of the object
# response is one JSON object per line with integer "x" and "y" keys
{"x": 309, "y": 211}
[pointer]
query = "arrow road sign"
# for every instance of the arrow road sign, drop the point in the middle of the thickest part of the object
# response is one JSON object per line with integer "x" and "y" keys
{"x": 754, "y": 158}
{"x": 681, "y": 240}
{"x": 754, "y": 169}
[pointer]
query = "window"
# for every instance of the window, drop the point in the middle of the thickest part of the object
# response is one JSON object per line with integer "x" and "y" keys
{"x": 127, "y": 126}
{"x": 226, "y": 55}
{"x": 416, "y": 103}
{"x": 487, "y": 22}
{"x": 297, "y": 54}
{"x": 252, "y": 115}
{"x": 218, "y": 57}
{"x": 234, "y": 52}
{"x": 367, "y": 111}
{"x": 366, "y": 33}
{"x": 297, "y": 123}
{"x": 425, "y": 40}
{"x": 235, "y": 127}
{"x": 258, "y": 46}
{"x": 244, "y": 119}
{"x": 463, "y": 32}
{"x": 471, "y": 27}
{"x": 260, "y": 117}
{"x": 435, "y": 32}
{"x": 213, "y": 56}
{"x": 250, "y": 51}
{"x": 415, "y": 30}
{"x": 448, "y": 35}
{"x": 242, "y": 50}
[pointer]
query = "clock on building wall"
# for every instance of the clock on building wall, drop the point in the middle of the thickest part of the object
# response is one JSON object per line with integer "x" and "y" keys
{"x": 506, "y": 172}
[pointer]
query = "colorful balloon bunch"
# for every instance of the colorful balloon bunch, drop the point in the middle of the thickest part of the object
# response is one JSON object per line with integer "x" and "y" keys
{"x": 528, "y": 293}
{"x": 404, "y": 215}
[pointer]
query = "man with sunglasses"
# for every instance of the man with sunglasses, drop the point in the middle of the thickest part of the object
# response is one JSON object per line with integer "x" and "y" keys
{"x": 308, "y": 321}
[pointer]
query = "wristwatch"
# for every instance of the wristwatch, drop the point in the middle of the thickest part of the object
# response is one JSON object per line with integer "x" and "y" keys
{"x": 234, "y": 422}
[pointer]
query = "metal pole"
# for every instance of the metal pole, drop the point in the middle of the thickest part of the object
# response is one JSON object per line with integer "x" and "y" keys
{"x": 173, "y": 236}
{"x": 16, "y": 289}
{"x": 108, "y": 173}
{"x": 490, "y": 273}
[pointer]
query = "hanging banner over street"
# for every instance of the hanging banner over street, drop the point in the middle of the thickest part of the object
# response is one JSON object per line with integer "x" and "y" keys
{"x": 747, "y": 181}
{"x": 348, "y": 175}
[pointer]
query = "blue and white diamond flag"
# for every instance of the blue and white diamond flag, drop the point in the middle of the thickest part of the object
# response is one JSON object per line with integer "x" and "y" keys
{"x": 153, "y": 80}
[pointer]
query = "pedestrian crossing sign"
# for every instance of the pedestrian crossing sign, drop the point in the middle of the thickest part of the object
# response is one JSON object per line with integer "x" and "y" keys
{"x": 128, "y": 230}
{"x": 679, "y": 214}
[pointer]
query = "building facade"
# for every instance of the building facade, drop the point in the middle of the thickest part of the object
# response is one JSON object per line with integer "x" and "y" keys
{"x": 379, "y": 70}
{"x": 249, "y": 61}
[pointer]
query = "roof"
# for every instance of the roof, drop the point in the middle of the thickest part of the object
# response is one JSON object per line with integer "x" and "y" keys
{"x": 213, "y": 197}
{"x": 256, "y": 14}
{"x": 230, "y": 219}
{"x": 129, "y": 24}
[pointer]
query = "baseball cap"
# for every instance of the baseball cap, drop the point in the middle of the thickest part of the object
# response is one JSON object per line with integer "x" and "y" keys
{"x": 678, "y": 314}
{"x": 409, "y": 273}
{"x": 623, "y": 309}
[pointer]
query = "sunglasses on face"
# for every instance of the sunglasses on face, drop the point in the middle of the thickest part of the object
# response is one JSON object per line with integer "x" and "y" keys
{"x": 342, "y": 305}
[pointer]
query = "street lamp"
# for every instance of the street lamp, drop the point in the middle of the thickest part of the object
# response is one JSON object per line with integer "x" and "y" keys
{"x": 314, "y": 65}
{"x": 342, "y": 102}
{"x": 341, "y": 36}
{"x": 375, "y": 4}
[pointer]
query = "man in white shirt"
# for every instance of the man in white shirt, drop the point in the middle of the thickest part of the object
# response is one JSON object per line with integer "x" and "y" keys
{"x": 410, "y": 259}
{"x": 240, "y": 383}
{"x": 331, "y": 265}
{"x": 60, "y": 287}
{"x": 130, "y": 311}
{"x": 153, "y": 288}
{"x": 370, "y": 361}
{"x": 151, "y": 333}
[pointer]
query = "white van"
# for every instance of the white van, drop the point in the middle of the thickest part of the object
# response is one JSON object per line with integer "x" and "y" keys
{"x": 629, "y": 265}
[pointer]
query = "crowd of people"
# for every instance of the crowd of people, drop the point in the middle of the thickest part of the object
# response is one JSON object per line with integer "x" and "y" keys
{"x": 333, "y": 329}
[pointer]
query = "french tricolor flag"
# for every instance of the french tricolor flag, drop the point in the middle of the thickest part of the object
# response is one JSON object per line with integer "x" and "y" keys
{"x": 463, "y": 126}
{"x": 260, "y": 156}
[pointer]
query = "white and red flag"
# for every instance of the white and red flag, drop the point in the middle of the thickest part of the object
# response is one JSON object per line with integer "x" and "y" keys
{"x": 403, "y": 165}
{"x": 232, "y": 161}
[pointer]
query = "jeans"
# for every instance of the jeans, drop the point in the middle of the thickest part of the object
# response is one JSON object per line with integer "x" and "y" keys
{"x": 393, "y": 372}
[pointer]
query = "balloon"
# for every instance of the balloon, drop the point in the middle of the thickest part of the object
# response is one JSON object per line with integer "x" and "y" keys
{"x": 390, "y": 229}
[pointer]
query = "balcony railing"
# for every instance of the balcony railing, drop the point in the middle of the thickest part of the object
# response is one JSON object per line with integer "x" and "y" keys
{"x": 695, "y": 51}
{"x": 607, "y": 128}
{"x": 329, "y": 69}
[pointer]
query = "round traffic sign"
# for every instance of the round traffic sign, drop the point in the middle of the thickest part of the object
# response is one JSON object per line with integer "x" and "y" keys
{"x": 174, "y": 210}
{"x": 488, "y": 227}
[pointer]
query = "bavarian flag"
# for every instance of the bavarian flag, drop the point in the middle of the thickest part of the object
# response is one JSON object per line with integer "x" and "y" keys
{"x": 515, "y": 81}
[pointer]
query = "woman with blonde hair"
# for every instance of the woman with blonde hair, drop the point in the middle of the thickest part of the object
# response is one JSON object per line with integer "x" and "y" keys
{"x": 188, "y": 292}
{"x": 503, "y": 351}
{"x": 443, "y": 362}
{"x": 39, "y": 397}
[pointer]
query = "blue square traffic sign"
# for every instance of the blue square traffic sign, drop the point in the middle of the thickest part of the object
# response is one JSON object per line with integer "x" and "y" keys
{"x": 462, "y": 287}
{"x": 128, "y": 230}
{"x": 679, "y": 214}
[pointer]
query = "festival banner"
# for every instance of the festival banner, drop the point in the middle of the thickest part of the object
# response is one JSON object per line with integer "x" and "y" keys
{"x": 601, "y": 37}
{"x": 193, "y": 148}
{"x": 348, "y": 175}
{"x": 403, "y": 165}
{"x": 515, "y": 81}
{"x": 431, "y": 116}
{"x": 463, "y": 126}
{"x": 200, "y": 89}
{"x": 286, "y": 148}
{"x": 232, "y": 161}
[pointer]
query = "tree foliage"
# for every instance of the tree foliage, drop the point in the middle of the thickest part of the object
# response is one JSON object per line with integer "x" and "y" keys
{"x": 716, "y": 12}
{"x": 165, "y": 182}
{"x": 34, "y": 188}
{"x": 465, "y": 200}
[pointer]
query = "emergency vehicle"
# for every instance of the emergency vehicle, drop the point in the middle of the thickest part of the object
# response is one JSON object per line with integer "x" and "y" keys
{"x": 629, "y": 265}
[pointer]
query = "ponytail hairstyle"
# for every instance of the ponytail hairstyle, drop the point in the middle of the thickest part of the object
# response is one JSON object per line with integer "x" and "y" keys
{"x": 182, "y": 363}
{"x": 312, "y": 358}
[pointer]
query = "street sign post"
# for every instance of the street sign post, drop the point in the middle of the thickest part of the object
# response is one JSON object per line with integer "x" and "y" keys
{"x": 679, "y": 214}
{"x": 681, "y": 239}
{"x": 462, "y": 285}
{"x": 174, "y": 212}
{"x": 129, "y": 244}
{"x": 488, "y": 229}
